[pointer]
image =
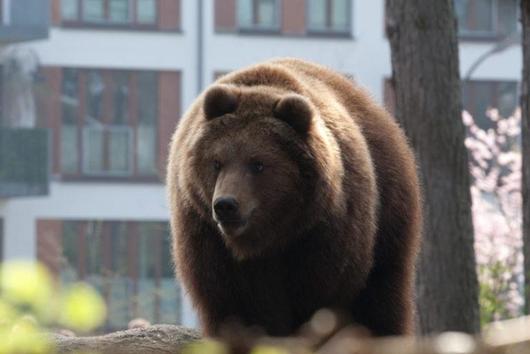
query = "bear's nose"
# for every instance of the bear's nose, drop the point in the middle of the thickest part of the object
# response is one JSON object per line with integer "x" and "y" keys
{"x": 226, "y": 209}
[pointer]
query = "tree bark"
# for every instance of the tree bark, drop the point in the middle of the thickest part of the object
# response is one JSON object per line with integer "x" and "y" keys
{"x": 424, "y": 48}
{"x": 525, "y": 122}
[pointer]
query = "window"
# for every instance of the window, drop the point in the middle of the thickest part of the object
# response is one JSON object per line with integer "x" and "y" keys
{"x": 486, "y": 18}
{"x": 258, "y": 14}
{"x": 479, "y": 96}
{"x": 129, "y": 263}
{"x": 329, "y": 16}
{"x": 110, "y": 12}
{"x": 93, "y": 10}
{"x": 147, "y": 123}
{"x": 119, "y": 11}
{"x": 70, "y": 105}
{"x": 109, "y": 123}
{"x": 146, "y": 11}
{"x": 70, "y": 9}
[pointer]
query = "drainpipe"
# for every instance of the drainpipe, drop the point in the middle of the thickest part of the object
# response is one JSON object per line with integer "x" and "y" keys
{"x": 200, "y": 40}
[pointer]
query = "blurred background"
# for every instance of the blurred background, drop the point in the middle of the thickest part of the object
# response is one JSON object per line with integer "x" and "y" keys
{"x": 91, "y": 91}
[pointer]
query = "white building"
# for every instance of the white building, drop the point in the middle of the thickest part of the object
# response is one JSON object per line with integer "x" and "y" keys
{"x": 117, "y": 74}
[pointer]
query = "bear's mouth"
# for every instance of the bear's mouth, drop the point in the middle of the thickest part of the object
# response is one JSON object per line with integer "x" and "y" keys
{"x": 233, "y": 227}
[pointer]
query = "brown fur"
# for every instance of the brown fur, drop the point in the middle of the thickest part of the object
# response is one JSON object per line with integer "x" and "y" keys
{"x": 334, "y": 217}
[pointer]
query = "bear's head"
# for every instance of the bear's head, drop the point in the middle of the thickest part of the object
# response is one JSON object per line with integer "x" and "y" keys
{"x": 253, "y": 169}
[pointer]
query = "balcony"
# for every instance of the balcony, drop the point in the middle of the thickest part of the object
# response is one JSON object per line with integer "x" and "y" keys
{"x": 23, "y": 20}
{"x": 24, "y": 169}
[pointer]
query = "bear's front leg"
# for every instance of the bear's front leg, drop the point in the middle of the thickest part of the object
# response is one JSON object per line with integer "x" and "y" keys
{"x": 386, "y": 306}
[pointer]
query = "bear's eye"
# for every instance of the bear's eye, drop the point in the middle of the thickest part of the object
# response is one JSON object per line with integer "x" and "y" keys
{"x": 217, "y": 165}
{"x": 256, "y": 167}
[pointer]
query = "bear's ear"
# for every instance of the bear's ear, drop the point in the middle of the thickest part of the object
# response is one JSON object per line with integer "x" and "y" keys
{"x": 220, "y": 100}
{"x": 296, "y": 111}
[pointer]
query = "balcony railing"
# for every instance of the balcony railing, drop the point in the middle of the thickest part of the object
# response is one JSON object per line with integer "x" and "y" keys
{"x": 24, "y": 168}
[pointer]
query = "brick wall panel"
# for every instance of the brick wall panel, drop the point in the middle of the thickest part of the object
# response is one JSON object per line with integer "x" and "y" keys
{"x": 49, "y": 244}
{"x": 225, "y": 15}
{"x": 49, "y": 101}
{"x": 169, "y": 15}
{"x": 293, "y": 16}
{"x": 169, "y": 108}
{"x": 55, "y": 12}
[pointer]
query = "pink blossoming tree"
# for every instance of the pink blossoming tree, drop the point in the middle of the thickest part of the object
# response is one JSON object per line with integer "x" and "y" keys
{"x": 495, "y": 165}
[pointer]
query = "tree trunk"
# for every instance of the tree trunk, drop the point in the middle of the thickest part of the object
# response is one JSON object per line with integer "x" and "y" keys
{"x": 525, "y": 120}
{"x": 426, "y": 82}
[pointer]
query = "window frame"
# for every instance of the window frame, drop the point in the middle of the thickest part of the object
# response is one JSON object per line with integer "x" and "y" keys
{"x": 329, "y": 31}
{"x": 254, "y": 28}
{"x": 132, "y": 123}
{"x": 133, "y": 22}
{"x": 492, "y": 35}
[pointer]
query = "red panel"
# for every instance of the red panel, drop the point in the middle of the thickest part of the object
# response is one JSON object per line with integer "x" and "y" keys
{"x": 51, "y": 109}
{"x": 56, "y": 12}
{"x": 82, "y": 250}
{"x": 169, "y": 14}
{"x": 168, "y": 113}
{"x": 49, "y": 244}
{"x": 106, "y": 257}
{"x": 132, "y": 265}
{"x": 293, "y": 17}
{"x": 157, "y": 240}
{"x": 225, "y": 15}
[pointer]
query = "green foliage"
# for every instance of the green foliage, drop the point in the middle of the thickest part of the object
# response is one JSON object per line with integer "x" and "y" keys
{"x": 267, "y": 349}
{"x": 83, "y": 308}
{"x": 207, "y": 346}
{"x": 28, "y": 285}
{"x": 30, "y": 303}
{"x": 493, "y": 286}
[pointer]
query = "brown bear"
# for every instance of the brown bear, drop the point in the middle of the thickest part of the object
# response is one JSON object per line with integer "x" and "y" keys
{"x": 291, "y": 190}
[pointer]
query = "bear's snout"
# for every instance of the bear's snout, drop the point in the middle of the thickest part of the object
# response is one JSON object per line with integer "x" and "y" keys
{"x": 226, "y": 210}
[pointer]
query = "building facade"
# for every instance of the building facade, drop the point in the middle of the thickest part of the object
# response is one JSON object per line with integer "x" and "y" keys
{"x": 114, "y": 78}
